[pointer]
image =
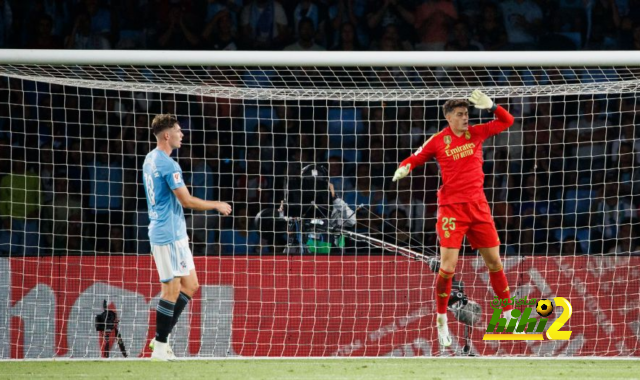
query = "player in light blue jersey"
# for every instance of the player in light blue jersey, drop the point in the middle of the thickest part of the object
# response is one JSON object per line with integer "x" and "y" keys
{"x": 166, "y": 196}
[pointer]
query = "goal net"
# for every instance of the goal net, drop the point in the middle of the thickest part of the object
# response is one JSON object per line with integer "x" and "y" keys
{"x": 277, "y": 277}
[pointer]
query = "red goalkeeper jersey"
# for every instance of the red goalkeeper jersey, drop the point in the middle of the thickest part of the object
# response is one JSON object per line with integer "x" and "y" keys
{"x": 460, "y": 159}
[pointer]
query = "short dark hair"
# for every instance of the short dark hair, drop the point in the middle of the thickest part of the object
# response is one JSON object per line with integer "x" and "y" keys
{"x": 452, "y": 104}
{"x": 162, "y": 122}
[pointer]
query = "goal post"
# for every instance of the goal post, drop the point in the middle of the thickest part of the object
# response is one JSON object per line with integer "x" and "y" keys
{"x": 267, "y": 132}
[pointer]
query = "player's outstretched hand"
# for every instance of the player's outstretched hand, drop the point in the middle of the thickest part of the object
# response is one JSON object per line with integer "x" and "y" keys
{"x": 480, "y": 100}
{"x": 223, "y": 208}
{"x": 401, "y": 172}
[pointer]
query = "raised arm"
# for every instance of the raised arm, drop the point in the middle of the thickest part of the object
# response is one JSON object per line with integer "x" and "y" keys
{"x": 503, "y": 118}
{"x": 189, "y": 201}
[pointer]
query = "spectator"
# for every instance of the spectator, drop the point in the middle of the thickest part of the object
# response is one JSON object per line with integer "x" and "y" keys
{"x": 349, "y": 12}
{"x": 204, "y": 183}
{"x": 390, "y": 40}
{"x": 624, "y": 244}
{"x": 264, "y": 25}
{"x": 6, "y": 23}
{"x": 470, "y": 10}
{"x": 533, "y": 198}
{"x": 633, "y": 43}
{"x": 589, "y": 131}
{"x": 603, "y": 21}
{"x": 62, "y": 219}
{"x": 522, "y": 20}
{"x": 627, "y": 171}
{"x": 380, "y": 166}
{"x": 19, "y": 191}
{"x": 105, "y": 179}
{"x": 181, "y": 33}
{"x": 219, "y": 33}
{"x": 526, "y": 242}
{"x": 385, "y": 13}
{"x": 505, "y": 221}
{"x": 413, "y": 208}
{"x": 511, "y": 143}
{"x": 308, "y": 9}
{"x": 100, "y": 18}
{"x": 306, "y": 35}
{"x": 59, "y": 13}
{"x": 570, "y": 247}
{"x": 217, "y": 7}
{"x": 609, "y": 211}
{"x": 347, "y": 40}
{"x": 252, "y": 182}
{"x": 130, "y": 26}
{"x": 46, "y": 171}
{"x": 82, "y": 37}
{"x": 432, "y": 22}
{"x": 576, "y": 201}
{"x": 239, "y": 240}
{"x": 44, "y": 39}
{"x": 399, "y": 234}
{"x": 371, "y": 197}
{"x": 628, "y": 133}
{"x": 20, "y": 201}
{"x": 116, "y": 240}
{"x": 344, "y": 127}
{"x": 569, "y": 20}
{"x": 462, "y": 38}
{"x": 490, "y": 31}
{"x": 341, "y": 180}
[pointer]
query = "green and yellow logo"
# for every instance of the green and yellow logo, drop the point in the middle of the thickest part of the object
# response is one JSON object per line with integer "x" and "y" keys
{"x": 522, "y": 324}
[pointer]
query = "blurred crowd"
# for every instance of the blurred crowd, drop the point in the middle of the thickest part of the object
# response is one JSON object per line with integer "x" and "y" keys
{"x": 564, "y": 179}
{"x": 385, "y": 25}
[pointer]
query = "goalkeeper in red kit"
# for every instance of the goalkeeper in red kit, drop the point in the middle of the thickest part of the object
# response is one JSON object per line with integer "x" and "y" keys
{"x": 462, "y": 205}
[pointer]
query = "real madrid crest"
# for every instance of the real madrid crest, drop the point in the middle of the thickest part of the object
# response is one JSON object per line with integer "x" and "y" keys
{"x": 447, "y": 139}
{"x": 467, "y": 135}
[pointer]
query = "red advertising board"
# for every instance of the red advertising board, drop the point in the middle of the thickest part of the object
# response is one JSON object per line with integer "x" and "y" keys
{"x": 308, "y": 306}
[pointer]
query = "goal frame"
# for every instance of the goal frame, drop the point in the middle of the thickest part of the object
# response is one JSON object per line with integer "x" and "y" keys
{"x": 319, "y": 59}
{"x": 243, "y": 59}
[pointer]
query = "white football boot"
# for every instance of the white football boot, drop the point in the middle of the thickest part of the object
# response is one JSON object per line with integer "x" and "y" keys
{"x": 161, "y": 352}
{"x": 154, "y": 344}
{"x": 170, "y": 353}
{"x": 444, "y": 338}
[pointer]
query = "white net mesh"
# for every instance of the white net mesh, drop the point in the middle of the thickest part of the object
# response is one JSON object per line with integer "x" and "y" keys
{"x": 563, "y": 184}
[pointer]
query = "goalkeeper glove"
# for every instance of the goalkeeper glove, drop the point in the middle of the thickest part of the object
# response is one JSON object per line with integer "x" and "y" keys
{"x": 401, "y": 172}
{"x": 482, "y": 101}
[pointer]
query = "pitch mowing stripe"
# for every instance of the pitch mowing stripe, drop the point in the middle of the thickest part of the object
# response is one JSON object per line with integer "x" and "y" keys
{"x": 334, "y": 358}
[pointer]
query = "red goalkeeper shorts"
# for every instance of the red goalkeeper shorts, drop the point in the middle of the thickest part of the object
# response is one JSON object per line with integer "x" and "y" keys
{"x": 472, "y": 219}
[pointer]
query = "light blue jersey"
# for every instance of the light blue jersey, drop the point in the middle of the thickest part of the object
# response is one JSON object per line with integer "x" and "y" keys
{"x": 162, "y": 175}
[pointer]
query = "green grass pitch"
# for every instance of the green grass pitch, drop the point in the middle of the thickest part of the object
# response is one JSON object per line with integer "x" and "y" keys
{"x": 327, "y": 369}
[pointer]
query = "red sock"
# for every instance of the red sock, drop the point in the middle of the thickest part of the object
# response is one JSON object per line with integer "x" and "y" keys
{"x": 500, "y": 286}
{"x": 443, "y": 290}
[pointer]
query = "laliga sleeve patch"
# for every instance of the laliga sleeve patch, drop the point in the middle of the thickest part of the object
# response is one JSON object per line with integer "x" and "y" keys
{"x": 176, "y": 178}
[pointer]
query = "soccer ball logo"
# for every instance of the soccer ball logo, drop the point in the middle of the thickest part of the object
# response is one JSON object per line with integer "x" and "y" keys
{"x": 544, "y": 308}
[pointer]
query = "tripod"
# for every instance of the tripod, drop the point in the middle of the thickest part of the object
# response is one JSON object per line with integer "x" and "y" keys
{"x": 106, "y": 325}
